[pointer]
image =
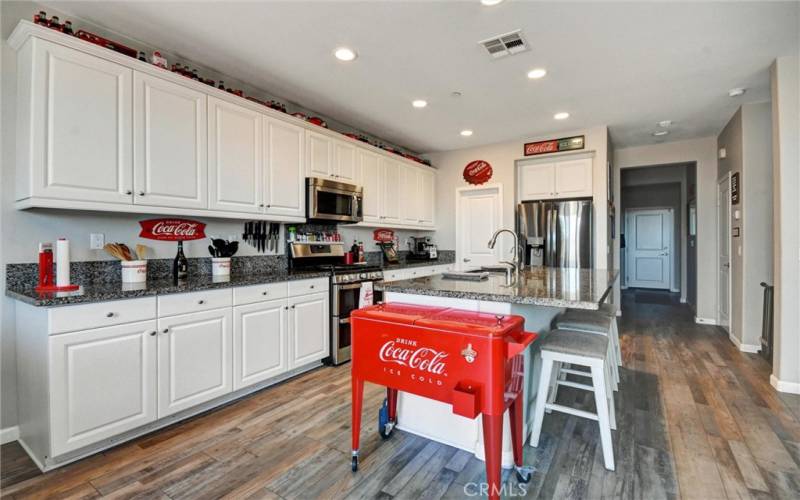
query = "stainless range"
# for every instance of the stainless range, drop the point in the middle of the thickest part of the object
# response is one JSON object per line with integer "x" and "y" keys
{"x": 347, "y": 281}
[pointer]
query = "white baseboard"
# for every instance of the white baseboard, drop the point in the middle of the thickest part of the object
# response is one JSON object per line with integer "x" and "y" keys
{"x": 784, "y": 386}
{"x": 623, "y": 287}
{"x": 750, "y": 348}
{"x": 705, "y": 321}
{"x": 683, "y": 300}
{"x": 9, "y": 434}
{"x": 674, "y": 290}
{"x": 619, "y": 312}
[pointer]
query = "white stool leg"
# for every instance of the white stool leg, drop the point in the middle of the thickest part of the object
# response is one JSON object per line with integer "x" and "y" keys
{"x": 612, "y": 368}
{"x": 601, "y": 401}
{"x": 615, "y": 335}
{"x": 554, "y": 378}
{"x": 612, "y": 413}
{"x": 541, "y": 398}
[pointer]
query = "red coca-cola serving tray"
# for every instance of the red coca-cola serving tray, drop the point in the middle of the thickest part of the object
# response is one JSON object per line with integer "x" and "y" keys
{"x": 172, "y": 229}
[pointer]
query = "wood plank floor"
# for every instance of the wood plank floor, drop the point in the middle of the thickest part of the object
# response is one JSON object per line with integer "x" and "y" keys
{"x": 696, "y": 420}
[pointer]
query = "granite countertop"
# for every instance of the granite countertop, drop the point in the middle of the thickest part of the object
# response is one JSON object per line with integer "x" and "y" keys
{"x": 541, "y": 286}
{"x": 415, "y": 263}
{"x": 100, "y": 292}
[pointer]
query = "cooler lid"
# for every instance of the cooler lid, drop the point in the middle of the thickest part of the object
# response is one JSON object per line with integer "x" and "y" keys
{"x": 396, "y": 312}
{"x": 472, "y": 323}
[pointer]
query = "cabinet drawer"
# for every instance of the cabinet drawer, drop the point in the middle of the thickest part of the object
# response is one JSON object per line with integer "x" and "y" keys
{"x": 182, "y": 303}
{"x": 304, "y": 287}
{"x": 87, "y": 316}
{"x": 259, "y": 293}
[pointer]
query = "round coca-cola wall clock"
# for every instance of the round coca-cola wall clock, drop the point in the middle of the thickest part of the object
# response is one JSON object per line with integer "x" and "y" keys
{"x": 172, "y": 229}
{"x": 478, "y": 172}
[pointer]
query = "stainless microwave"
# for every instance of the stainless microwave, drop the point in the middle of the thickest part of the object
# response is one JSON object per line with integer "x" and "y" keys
{"x": 329, "y": 200}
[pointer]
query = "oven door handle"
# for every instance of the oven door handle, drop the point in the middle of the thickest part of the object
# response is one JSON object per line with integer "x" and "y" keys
{"x": 344, "y": 321}
{"x": 351, "y": 286}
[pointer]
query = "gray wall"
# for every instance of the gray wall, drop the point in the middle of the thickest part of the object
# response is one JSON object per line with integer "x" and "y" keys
{"x": 22, "y": 230}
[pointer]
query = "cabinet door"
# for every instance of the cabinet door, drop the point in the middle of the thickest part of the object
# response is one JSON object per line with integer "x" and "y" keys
{"x": 284, "y": 181}
{"x": 537, "y": 181}
{"x": 390, "y": 212}
{"x": 319, "y": 155}
{"x": 573, "y": 178}
{"x": 411, "y": 196}
{"x": 103, "y": 383}
{"x": 344, "y": 157}
{"x": 194, "y": 359}
{"x": 81, "y": 124}
{"x": 309, "y": 327}
{"x": 426, "y": 187}
{"x": 372, "y": 182}
{"x": 169, "y": 141}
{"x": 235, "y": 165}
{"x": 259, "y": 342}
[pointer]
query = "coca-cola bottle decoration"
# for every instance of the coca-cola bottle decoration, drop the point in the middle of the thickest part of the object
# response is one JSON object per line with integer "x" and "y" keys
{"x": 180, "y": 266}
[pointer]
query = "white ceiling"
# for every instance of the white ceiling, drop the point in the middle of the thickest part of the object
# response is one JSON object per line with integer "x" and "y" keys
{"x": 627, "y": 65}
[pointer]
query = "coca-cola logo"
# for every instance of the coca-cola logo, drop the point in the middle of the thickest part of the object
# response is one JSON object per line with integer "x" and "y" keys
{"x": 478, "y": 172}
{"x": 383, "y": 235}
{"x": 172, "y": 229}
{"x": 421, "y": 358}
{"x": 554, "y": 145}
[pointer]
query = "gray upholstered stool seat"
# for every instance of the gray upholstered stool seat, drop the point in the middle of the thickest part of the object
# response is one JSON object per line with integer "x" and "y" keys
{"x": 577, "y": 343}
{"x": 584, "y": 320}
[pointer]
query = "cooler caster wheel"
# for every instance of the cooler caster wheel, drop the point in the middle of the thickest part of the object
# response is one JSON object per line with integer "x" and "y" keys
{"x": 523, "y": 473}
{"x": 354, "y": 464}
{"x": 385, "y": 426}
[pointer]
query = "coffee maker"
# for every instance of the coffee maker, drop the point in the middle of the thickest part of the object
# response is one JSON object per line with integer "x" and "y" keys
{"x": 421, "y": 248}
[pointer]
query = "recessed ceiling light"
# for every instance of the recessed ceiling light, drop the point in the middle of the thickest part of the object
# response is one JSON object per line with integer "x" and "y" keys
{"x": 736, "y": 92}
{"x": 665, "y": 123}
{"x": 489, "y": 3}
{"x": 345, "y": 54}
{"x": 659, "y": 133}
{"x": 536, "y": 73}
{"x": 561, "y": 116}
{"x": 466, "y": 133}
{"x": 419, "y": 103}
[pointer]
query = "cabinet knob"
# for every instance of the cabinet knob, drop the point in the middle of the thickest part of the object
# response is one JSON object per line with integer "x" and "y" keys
{"x": 268, "y": 205}
{"x": 141, "y": 193}
{"x": 292, "y": 307}
{"x": 312, "y": 286}
{"x": 201, "y": 302}
{"x": 261, "y": 205}
{"x": 286, "y": 307}
{"x": 128, "y": 192}
{"x": 153, "y": 333}
{"x": 165, "y": 330}
{"x": 110, "y": 315}
{"x": 263, "y": 293}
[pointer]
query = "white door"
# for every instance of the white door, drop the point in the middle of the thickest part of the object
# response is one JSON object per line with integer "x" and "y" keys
{"x": 724, "y": 250}
{"x": 194, "y": 359}
{"x": 344, "y": 158}
{"x": 479, "y": 215}
{"x": 309, "y": 327}
{"x": 82, "y": 126}
{"x": 319, "y": 155}
{"x": 426, "y": 187}
{"x": 390, "y": 209}
{"x": 235, "y": 163}
{"x": 372, "y": 182}
{"x": 259, "y": 342}
{"x": 409, "y": 193}
{"x": 284, "y": 180}
{"x": 103, "y": 383}
{"x": 169, "y": 142}
{"x": 537, "y": 181}
{"x": 573, "y": 178}
{"x": 648, "y": 245}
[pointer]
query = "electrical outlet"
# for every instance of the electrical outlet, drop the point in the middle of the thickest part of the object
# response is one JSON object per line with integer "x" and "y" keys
{"x": 97, "y": 241}
{"x": 233, "y": 237}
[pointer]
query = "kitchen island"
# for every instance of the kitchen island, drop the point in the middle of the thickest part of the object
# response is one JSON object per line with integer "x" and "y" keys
{"x": 540, "y": 294}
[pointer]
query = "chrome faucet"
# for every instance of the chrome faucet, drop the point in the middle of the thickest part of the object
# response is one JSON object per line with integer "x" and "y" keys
{"x": 515, "y": 264}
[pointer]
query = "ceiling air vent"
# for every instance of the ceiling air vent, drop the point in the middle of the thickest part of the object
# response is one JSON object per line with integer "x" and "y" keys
{"x": 505, "y": 45}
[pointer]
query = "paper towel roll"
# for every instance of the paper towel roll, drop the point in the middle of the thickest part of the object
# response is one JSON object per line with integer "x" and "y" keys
{"x": 62, "y": 262}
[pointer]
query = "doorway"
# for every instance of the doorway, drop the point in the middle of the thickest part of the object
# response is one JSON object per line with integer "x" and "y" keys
{"x": 479, "y": 213}
{"x": 649, "y": 248}
{"x": 724, "y": 252}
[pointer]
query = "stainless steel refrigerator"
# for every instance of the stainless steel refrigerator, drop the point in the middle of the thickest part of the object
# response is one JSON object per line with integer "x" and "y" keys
{"x": 556, "y": 233}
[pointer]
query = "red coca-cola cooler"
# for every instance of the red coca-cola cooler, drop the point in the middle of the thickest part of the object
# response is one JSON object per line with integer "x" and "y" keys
{"x": 470, "y": 360}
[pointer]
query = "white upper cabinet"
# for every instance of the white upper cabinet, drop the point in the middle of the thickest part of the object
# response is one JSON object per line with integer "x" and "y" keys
{"x": 345, "y": 162}
{"x": 574, "y": 178}
{"x": 235, "y": 164}
{"x": 372, "y": 182}
{"x": 537, "y": 181}
{"x": 284, "y": 179}
{"x": 409, "y": 189}
{"x": 391, "y": 194}
{"x": 319, "y": 155}
{"x": 169, "y": 138}
{"x": 556, "y": 179}
{"x": 78, "y": 109}
{"x": 426, "y": 194}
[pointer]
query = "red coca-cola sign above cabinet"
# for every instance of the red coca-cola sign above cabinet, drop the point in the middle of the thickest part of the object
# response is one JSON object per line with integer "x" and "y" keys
{"x": 172, "y": 229}
{"x": 478, "y": 172}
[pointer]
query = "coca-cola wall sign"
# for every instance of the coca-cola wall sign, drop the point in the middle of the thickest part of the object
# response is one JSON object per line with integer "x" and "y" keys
{"x": 172, "y": 229}
{"x": 554, "y": 145}
{"x": 478, "y": 172}
{"x": 383, "y": 235}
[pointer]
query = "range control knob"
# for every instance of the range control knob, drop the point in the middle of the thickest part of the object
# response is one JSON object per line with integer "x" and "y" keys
{"x": 363, "y": 276}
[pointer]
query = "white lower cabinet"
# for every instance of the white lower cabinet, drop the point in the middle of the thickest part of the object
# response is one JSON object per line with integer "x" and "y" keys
{"x": 194, "y": 359}
{"x": 259, "y": 342}
{"x": 103, "y": 383}
{"x": 309, "y": 325}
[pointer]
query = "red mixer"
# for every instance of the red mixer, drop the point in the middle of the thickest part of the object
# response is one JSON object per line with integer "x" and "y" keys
{"x": 468, "y": 359}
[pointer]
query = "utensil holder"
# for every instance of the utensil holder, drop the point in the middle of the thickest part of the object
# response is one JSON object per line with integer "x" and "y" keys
{"x": 220, "y": 266}
{"x": 134, "y": 271}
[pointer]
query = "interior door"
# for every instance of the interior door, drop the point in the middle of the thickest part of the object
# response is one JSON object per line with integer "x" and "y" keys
{"x": 372, "y": 182}
{"x": 284, "y": 183}
{"x": 724, "y": 249}
{"x": 169, "y": 140}
{"x": 649, "y": 248}
{"x": 478, "y": 218}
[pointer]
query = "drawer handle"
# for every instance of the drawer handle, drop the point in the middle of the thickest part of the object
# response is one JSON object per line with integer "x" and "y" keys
{"x": 201, "y": 302}
{"x": 141, "y": 193}
{"x": 153, "y": 333}
{"x": 110, "y": 315}
{"x": 312, "y": 286}
{"x": 263, "y": 293}
{"x": 165, "y": 330}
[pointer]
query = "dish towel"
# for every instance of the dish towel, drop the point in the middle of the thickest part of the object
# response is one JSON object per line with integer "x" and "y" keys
{"x": 365, "y": 295}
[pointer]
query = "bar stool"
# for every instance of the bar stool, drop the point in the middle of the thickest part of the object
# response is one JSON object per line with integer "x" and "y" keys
{"x": 582, "y": 349}
{"x": 585, "y": 320}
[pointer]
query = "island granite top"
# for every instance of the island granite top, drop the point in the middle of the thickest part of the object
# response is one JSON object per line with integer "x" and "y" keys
{"x": 542, "y": 286}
